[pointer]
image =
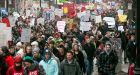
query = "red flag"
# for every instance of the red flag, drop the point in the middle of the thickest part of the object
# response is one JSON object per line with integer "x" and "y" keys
{"x": 6, "y": 20}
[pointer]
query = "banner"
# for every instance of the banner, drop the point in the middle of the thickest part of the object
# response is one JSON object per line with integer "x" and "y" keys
{"x": 61, "y": 26}
{"x": 25, "y": 35}
{"x": 98, "y": 19}
{"x": 122, "y": 18}
{"x": 85, "y": 26}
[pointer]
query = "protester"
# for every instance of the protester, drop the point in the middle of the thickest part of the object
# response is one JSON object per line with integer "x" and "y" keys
{"x": 70, "y": 66}
{"x": 78, "y": 55}
{"x": 89, "y": 48}
{"x": 19, "y": 49}
{"x": 32, "y": 68}
{"x": 3, "y": 64}
{"x": 36, "y": 55}
{"x": 61, "y": 53}
{"x": 28, "y": 51}
{"x": 7, "y": 57}
{"x": 49, "y": 64}
{"x": 107, "y": 60}
{"x": 84, "y": 31}
{"x": 17, "y": 68}
{"x": 131, "y": 48}
{"x": 12, "y": 51}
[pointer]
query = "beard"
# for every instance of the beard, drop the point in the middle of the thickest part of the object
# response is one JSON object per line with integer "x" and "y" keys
{"x": 18, "y": 68}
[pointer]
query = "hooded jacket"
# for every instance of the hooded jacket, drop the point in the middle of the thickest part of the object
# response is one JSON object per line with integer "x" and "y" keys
{"x": 50, "y": 66}
{"x": 70, "y": 69}
{"x": 35, "y": 69}
{"x": 108, "y": 61}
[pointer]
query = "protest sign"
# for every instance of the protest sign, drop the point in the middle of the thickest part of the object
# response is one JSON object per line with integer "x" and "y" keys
{"x": 58, "y": 12}
{"x": 92, "y": 16}
{"x": 110, "y": 21}
{"x": 5, "y": 34}
{"x": 3, "y": 41}
{"x": 71, "y": 9}
{"x": 8, "y": 32}
{"x": 65, "y": 9}
{"x": 85, "y": 26}
{"x": 122, "y": 18}
{"x": 2, "y": 25}
{"x": 120, "y": 28}
{"x": 98, "y": 19}
{"x": 120, "y": 12}
{"x": 28, "y": 12}
{"x": 32, "y": 22}
{"x": 61, "y": 26}
{"x": 12, "y": 21}
{"x": 98, "y": 1}
{"x": 25, "y": 35}
{"x": 40, "y": 21}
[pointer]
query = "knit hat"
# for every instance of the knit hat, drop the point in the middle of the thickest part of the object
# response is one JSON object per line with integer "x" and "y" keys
{"x": 5, "y": 49}
{"x": 36, "y": 49}
{"x": 17, "y": 59}
{"x": 34, "y": 43}
{"x": 48, "y": 51}
{"x": 109, "y": 43}
{"x": 28, "y": 59}
{"x": 19, "y": 44}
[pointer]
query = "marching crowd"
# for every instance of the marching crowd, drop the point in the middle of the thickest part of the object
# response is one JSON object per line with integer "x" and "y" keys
{"x": 50, "y": 52}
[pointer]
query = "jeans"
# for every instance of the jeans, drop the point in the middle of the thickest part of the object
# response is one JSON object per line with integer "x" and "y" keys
{"x": 90, "y": 66}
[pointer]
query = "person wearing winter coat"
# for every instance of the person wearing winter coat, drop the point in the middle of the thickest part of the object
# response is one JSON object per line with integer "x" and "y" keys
{"x": 32, "y": 68}
{"x": 131, "y": 49}
{"x": 89, "y": 48}
{"x": 36, "y": 55}
{"x": 7, "y": 57}
{"x": 108, "y": 60}
{"x": 17, "y": 68}
{"x": 3, "y": 65}
{"x": 70, "y": 66}
{"x": 49, "y": 64}
{"x": 78, "y": 55}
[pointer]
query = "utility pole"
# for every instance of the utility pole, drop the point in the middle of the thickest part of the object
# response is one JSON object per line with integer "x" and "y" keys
{"x": 6, "y": 4}
{"x": 40, "y": 3}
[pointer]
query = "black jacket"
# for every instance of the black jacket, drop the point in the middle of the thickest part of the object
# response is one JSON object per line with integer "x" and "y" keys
{"x": 90, "y": 49}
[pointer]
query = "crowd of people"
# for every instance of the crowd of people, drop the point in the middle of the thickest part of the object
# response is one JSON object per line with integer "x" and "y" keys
{"x": 51, "y": 52}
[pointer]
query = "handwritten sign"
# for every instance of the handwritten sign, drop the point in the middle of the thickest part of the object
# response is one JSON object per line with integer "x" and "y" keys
{"x": 98, "y": 19}
{"x": 85, "y": 26}
{"x": 61, "y": 26}
{"x": 25, "y": 35}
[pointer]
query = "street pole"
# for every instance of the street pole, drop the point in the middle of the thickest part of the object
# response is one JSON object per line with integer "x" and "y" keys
{"x": 6, "y": 5}
{"x": 40, "y": 4}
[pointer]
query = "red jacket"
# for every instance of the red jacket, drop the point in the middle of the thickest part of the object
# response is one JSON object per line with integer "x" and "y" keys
{"x": 6, "y": 20}
{"x": 12, "y": 71}
{"x": 9, "y": 61}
